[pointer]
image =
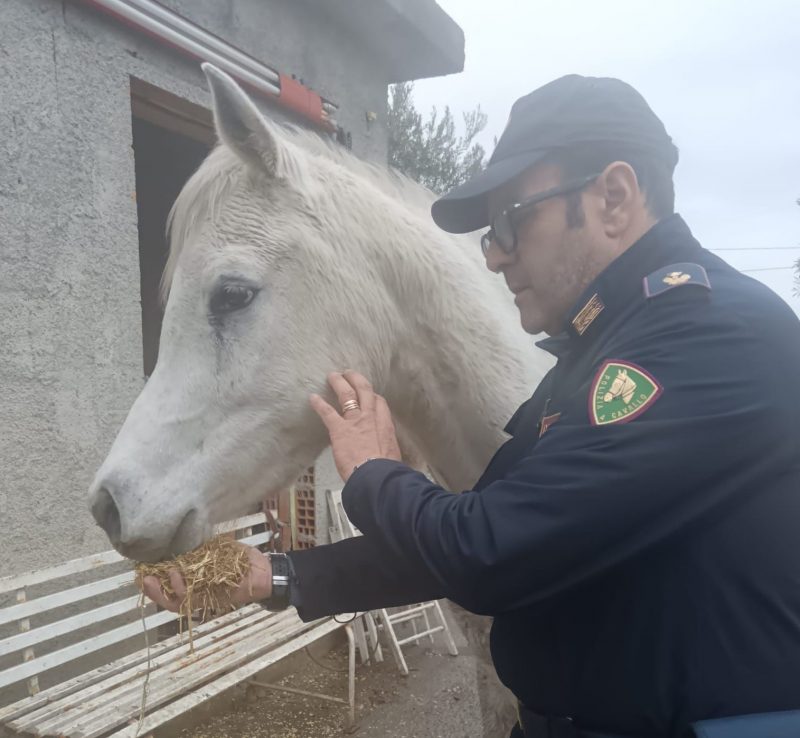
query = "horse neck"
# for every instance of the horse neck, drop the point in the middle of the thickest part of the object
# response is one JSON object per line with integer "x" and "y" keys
{"x": 460, "y": 364}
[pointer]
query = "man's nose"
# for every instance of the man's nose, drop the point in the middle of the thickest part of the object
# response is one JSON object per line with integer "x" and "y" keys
{"x": 497, "y": 259}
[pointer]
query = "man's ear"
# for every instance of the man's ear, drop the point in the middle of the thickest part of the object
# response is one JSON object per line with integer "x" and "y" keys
{"x": 621, "y": 193}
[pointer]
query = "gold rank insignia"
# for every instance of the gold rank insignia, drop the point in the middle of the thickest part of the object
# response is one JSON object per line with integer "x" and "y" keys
{"x": 675, "y": 275}
{"x": 587, "y": 314}
{"x": 673, "y": 279}
{"x": 621, "y": 391}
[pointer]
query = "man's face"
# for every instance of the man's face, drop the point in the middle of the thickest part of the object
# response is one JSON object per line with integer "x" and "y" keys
{"x": 554, "y": 260}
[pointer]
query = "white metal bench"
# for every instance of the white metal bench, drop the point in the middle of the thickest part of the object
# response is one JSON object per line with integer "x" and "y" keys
{"x": 106, "y": 700}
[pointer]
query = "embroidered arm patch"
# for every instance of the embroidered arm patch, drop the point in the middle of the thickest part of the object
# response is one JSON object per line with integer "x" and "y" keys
{"x": 621, "y": 391}
{"x": 675, "y": 275}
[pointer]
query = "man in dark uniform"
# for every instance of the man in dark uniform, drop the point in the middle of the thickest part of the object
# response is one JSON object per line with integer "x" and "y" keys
{"x": 636, "y": 539}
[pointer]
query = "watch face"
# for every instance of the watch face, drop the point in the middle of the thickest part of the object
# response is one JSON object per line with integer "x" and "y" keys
{"x": 281, "y": 582}
{"x": 280, "y": 565}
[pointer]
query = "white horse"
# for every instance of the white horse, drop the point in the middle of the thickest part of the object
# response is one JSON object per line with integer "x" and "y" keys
{"x": 290, "y": 258}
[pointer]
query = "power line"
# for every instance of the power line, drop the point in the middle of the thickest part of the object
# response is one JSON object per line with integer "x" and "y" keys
{"x": 760, "y": 248}
{"x": 766, "y": 269}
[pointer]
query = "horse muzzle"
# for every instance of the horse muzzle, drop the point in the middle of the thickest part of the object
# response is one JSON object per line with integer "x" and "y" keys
{"x": 167, "y": 534}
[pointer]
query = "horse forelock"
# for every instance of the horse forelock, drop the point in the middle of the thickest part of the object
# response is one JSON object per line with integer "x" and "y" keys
{"x": 200, "y": 200}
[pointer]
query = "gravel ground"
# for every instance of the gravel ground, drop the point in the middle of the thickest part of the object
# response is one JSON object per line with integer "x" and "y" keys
{"x": 437, "y": 700}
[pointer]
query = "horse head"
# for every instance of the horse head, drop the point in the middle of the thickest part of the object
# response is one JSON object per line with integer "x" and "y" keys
{"x": 622, "y": 386}
{"x": 287, "y": 260}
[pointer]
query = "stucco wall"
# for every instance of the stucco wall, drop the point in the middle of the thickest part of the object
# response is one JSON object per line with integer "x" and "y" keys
{"x": 70, "y": 331}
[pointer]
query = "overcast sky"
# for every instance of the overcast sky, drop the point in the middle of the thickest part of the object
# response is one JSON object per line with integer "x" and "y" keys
{"x": 723, "y": 75}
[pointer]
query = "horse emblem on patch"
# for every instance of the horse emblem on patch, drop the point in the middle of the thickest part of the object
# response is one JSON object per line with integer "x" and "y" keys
{"x": 621, "y": 391}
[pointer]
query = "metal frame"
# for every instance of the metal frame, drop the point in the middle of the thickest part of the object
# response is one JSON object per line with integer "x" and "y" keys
{"x": 351, "y": 682}
{"x": 382, "y": 618}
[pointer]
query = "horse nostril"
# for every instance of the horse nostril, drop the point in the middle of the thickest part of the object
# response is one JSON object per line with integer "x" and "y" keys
{"x": 106, "y": 514}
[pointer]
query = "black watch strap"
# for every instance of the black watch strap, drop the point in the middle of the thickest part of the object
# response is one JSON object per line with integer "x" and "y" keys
{"x": 282, "y": 577}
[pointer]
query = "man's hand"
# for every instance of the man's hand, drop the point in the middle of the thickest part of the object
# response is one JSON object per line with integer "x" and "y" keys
{"x": 257, "y": 585}
{"x": 363, "y": 430}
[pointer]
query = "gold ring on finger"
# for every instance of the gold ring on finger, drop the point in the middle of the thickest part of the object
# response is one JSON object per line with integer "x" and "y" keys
{"x": 351, "y": 405}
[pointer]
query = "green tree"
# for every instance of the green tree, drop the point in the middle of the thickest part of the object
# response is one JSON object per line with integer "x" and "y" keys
{"x": 430, "y": 151}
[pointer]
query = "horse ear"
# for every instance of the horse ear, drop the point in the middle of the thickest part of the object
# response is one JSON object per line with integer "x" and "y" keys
{"x": 239, "y": 123}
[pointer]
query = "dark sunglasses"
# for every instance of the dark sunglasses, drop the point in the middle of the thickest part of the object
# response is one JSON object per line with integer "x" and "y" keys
{"x": 503, "y": 230}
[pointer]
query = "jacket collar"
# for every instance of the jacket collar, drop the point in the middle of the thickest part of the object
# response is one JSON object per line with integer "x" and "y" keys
{"x": 620, "y": 283}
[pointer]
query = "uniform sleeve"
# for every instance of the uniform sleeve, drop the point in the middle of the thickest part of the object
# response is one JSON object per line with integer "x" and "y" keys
{"x": 589, "y": 497}
{"x": 359, "y": 574}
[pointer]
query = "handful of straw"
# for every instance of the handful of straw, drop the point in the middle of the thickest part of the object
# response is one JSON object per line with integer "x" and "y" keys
{"x": 211, "y": 572}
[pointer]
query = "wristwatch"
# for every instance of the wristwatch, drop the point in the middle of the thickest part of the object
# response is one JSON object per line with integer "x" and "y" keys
{"x": 282, "y": 579}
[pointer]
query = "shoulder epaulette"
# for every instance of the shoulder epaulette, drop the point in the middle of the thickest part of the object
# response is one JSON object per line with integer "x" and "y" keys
{"x": 675, "y": 275}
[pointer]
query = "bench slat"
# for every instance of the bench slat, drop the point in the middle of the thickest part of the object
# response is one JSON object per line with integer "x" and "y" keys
{"x": 70, "y": 653}
{"x": 178, "y": 675}
{"x": 257, "y": 539}
{"x": 184, "y": 704}
{"x": 66, "y": 597}
{"x": 108, "y": 671}
{"x": 248, "y": 521}
{"x": 56, "y": 716}
{"x": 67, "y": 625}
{"x": 75, "y": 566}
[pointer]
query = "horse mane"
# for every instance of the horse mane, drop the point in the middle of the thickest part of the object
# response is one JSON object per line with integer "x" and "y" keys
{"x": 388, "y": 180}
{"x": 210, "y": 186}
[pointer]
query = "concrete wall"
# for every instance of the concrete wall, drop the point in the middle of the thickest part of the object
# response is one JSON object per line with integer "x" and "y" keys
{"x": 70, "y": 331}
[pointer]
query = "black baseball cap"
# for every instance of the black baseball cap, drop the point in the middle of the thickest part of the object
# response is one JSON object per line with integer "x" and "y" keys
{"x": 568, "y": 112}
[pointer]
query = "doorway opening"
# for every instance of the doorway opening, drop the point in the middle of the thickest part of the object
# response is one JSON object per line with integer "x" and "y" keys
{"x": 171, "y": 137}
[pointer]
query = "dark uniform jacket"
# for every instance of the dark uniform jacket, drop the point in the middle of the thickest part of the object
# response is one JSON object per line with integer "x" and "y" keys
{"x": 637, "y": 539}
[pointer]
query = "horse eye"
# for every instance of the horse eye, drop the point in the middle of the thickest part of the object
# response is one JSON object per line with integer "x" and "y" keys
{"x": 230, "y": 297}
